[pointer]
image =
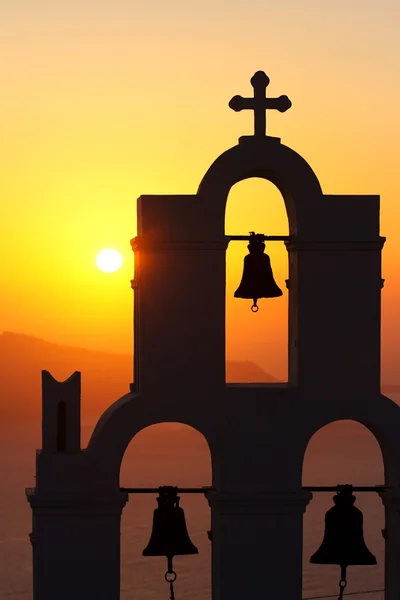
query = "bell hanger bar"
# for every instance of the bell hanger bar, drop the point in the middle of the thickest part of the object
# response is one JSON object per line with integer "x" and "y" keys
{"x": 205, "y": 489}
{"x": 149, "y": 490}
{"x": 259, "y": 236}
{"x": 355, "y": 488}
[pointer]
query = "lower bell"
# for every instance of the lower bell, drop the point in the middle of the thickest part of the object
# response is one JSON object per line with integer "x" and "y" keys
{"x": 257, "y": 279}
{"x": 343, "y": 543}
{"x": 169, "y": 536}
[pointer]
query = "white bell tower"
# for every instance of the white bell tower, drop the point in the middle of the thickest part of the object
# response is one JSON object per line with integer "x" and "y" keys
{"x": 257, "y": 435}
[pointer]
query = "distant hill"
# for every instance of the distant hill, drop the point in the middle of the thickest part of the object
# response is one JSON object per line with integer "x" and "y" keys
{"x": 105, "y": 376}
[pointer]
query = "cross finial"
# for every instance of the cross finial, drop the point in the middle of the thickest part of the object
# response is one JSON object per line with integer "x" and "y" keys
{"x": 259, "y": 103}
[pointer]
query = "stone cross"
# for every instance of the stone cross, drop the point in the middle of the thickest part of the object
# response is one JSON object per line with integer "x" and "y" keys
{"x": 259, "y": 103}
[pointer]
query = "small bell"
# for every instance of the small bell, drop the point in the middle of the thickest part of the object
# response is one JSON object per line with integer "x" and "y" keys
{"x": 343, "y": 543}
{"x": 169, "y": 536}
{"x": 257, "y": 279}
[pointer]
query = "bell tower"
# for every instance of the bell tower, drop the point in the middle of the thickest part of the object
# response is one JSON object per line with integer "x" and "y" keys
{"x": 257, "y": 434}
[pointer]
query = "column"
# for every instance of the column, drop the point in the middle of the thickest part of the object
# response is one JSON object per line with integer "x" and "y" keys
{"x": 334, "y": 313}
{"x": 257, "y": 545}
{"x": 180, "y": 315}
{"x": 76, "y": 545}
{"x": 391, "y": 502}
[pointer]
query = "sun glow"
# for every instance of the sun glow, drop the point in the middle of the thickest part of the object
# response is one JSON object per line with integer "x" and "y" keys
{"x": 109, "y": 260}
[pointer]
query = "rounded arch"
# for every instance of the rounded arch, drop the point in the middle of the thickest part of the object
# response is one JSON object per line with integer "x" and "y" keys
{"x": 165, "y": 454}
{"x": 174, "y": 454}
{"x": 256, "y": 204}
{"x": 339, "y": 445}
{"x": 125, "y": 419}
{"x": 255, "y": 200}
{"x": 343, "y": 451}
{"x": 379, "y": 415}
{"x": 268, "y": 159}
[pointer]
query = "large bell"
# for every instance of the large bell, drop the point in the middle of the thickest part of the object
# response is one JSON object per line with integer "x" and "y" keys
{"x": 257, "y": 279}
{"x": 169, "y": 536}
{"x": 343, "y": 542}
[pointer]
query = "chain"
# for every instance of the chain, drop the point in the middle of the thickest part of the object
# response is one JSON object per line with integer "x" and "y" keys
{"x": 342, "y": 585}
{"x": 343, "y": 580}
{"x": 170, "y": 577}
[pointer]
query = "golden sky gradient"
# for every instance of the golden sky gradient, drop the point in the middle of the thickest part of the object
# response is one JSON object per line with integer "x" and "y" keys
{"x": 103, "y": 101}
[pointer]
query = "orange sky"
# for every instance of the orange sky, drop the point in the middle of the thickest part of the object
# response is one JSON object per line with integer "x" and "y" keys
{"x": 104, "y": 101}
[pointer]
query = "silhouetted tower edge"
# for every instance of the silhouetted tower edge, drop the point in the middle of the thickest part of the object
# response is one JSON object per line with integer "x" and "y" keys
{"x": 61, "y": 414}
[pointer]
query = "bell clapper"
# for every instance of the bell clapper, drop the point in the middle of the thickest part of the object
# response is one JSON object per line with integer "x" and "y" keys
{"x": 170, "y": 577}
{"x": 343, "y": 581}
{"x": 254, "y": 308}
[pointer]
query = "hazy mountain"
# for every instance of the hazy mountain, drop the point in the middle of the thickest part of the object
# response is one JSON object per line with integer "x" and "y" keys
{"x": 105, "y": 376}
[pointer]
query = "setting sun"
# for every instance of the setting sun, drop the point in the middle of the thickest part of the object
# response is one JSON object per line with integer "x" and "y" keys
{"x": 109, "y": 260}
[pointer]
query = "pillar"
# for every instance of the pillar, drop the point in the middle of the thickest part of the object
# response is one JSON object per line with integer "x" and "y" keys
{"x": 391, "y": 502}
{"x": 179, "y": 288}
{"x": 257, "y": 544}
{"x": 334, "y": 313}
{"x": 76, "y": 545}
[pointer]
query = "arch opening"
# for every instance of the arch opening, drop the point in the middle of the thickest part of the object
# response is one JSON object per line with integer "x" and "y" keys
{"x": 343, "y": 452}
{"x": 256, "y": 344}
{"x": 165, "y": 454}
{"x": 61, "y": 426}
{"x": 275, "y": 162}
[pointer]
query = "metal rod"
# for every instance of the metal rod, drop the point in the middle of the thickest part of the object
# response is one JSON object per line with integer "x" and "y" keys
{"x": 268, "y": 238}
{"x": 355, "y": 488}
{"x": 203, "y": 490}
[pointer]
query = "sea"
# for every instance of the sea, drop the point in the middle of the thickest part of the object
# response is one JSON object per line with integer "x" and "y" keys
{"x": 343, "y": 452}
